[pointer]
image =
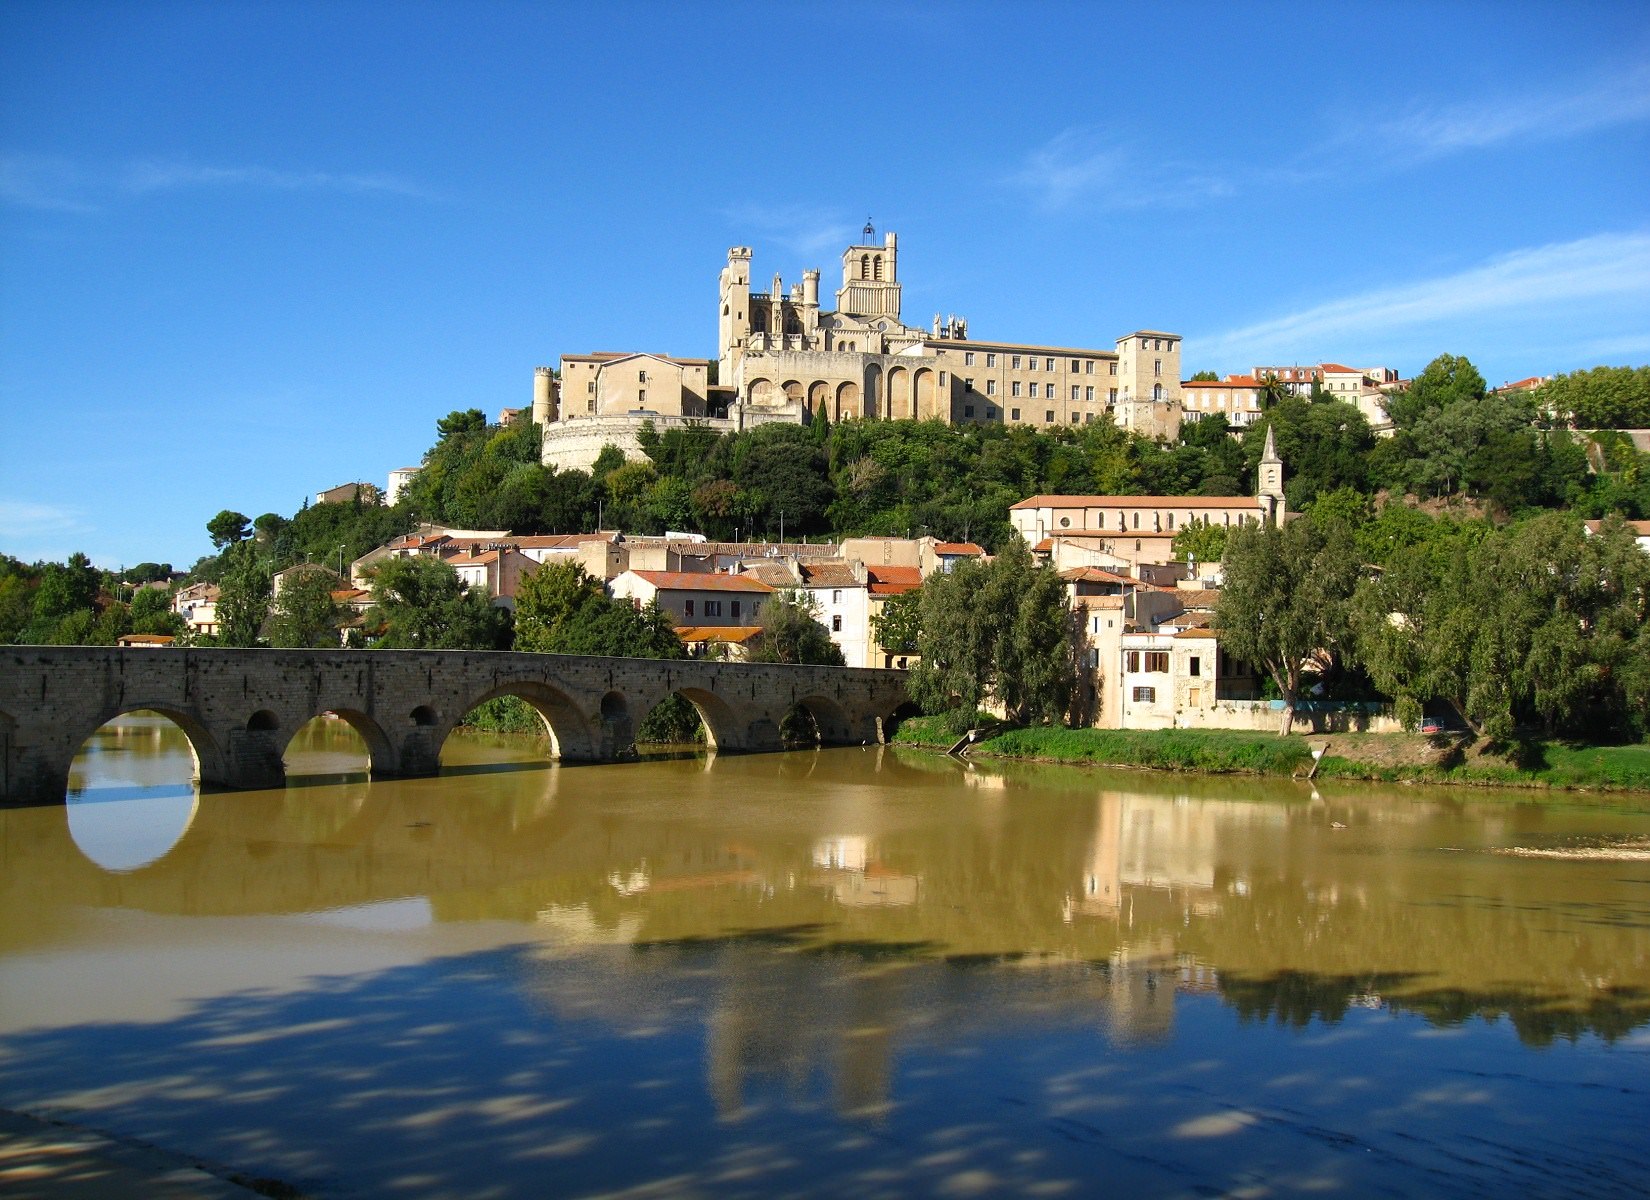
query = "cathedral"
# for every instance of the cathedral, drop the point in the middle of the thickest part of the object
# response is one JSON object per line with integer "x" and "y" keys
{"x": 781, "y": 357}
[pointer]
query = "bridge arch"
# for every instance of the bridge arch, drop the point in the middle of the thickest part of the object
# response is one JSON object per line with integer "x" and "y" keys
{"x": 382, "y": 758}
{"x": 573, "y": 735}
{"x": 722, "y": 724}
{"x": 830, "y": 721}
{"x": 204, "y": 748}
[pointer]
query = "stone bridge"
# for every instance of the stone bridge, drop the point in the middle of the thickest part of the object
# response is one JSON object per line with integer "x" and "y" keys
{"x": 239, "y": 708}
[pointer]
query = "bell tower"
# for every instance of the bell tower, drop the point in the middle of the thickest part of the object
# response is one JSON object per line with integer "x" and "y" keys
{"x": 1269, "y": 483}
{"x": 870, "y": 277}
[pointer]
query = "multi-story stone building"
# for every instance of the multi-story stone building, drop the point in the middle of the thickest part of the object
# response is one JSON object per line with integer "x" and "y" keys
{"x": 781, "y": 356}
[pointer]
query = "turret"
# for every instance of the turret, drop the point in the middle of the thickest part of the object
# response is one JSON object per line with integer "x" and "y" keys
{"x": 544, "y": 395}
{"x": 734, "y": 322}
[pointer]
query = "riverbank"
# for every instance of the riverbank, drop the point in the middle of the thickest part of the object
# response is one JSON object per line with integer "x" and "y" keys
{"x": 1376, "y": 757}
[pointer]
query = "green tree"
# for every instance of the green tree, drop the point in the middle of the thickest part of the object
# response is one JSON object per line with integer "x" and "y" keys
{"x": 423, "y": 604}
{"x": 243, "y": 594}
{"x": 151, "y": 612}
{"x": 1199, "y": 541}
{"x": 1445, "y": 382}
{"x": 227, "y": 528}
{"x": 792, "y": 632}
{"x": 897, "y": 626}
{"x": 997, "y": 632}
{"x": 1601, "y": 398}
{"x": 1285, "y": 600}
{"x": 304, "y": 614}
{"x": 560, "y": 609}
{"x": 65, "y": 590}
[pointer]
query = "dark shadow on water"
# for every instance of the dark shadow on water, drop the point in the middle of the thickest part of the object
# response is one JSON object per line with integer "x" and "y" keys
{"x": 328, "y": 780}
{"x": 1298, "y": 998}
{"x": 500, "y": 768}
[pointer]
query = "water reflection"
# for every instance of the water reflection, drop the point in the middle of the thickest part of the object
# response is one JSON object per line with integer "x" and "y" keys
{"x": 131, "y": 792}
{"x": 735, "y": 950}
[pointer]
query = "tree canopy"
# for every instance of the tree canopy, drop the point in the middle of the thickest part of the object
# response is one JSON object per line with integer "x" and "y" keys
{"x": 1285, "y": 601}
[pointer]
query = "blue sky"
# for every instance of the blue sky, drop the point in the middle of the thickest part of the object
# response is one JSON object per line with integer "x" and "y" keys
{"x": 252, "y": 250}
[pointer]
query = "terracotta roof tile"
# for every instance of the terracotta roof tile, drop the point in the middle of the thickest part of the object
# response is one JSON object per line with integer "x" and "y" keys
{"x": 717, "y": 633}
{"x": 1136, "y": 502}
{"x": 830, "y": 574}
{"x": 691, "y": 581}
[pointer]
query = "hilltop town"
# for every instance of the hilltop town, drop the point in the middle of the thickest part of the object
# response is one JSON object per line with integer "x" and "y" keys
{"x": 840, "y": 464}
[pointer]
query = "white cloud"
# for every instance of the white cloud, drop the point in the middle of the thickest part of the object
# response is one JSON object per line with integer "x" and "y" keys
{"x": 1083, "y": 166}
{"x": 59, "y": 185}
{"x": 158, "y": 176}
{"x": 52, "y": 184}
{"x": 1548, "y": 282}
{"x": 1425, "y": 134}
{"x": 24, "y": 518}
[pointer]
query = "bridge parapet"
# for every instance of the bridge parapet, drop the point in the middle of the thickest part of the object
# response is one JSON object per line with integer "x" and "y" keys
{"x": 240, "y": 708}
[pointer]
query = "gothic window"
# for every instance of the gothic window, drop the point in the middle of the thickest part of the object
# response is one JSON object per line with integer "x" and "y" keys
{"x": 876, "y": 266}
{"x": 865, "y": 266}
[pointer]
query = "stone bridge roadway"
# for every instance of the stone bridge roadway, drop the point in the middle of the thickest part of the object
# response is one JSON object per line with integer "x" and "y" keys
{"x": 239, "y": 708}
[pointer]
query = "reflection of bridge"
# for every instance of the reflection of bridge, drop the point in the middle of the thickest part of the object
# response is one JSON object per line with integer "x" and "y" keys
{"x": 239, "y": 708}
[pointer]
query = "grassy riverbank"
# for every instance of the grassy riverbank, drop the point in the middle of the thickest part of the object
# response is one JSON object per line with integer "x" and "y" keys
{"x": 1387, "y": 757}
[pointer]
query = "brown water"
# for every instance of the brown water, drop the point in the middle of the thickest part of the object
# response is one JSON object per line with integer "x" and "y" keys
{"x": 864, "y": 972}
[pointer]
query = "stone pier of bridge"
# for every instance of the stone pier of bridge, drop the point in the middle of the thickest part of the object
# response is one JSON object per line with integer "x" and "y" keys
{"x": 240, "y": 708}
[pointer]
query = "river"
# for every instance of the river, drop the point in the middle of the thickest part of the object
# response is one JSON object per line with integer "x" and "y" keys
{"x": 867, "y": 972}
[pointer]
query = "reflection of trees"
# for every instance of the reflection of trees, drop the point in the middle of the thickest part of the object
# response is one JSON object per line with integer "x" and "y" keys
{"x": 1300, "y": 997}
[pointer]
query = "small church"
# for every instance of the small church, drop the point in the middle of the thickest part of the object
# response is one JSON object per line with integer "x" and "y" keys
{"x": 1124, "y": 533}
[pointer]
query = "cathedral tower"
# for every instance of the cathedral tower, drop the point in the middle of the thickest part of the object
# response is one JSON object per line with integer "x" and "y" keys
{"x": 870, "y": 277}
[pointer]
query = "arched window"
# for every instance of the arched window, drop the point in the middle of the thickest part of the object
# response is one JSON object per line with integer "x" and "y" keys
{"x": 865, "y": 266}
{"x": 877, "y": 267}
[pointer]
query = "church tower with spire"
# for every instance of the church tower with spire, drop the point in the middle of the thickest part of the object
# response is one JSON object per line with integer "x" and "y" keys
{"x": 1269, "y": 487}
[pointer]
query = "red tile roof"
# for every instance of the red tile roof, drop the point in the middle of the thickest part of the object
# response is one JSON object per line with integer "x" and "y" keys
{"x": 717, "y": 633}
{"x": 1098, "y": 575}
{"x": 958, "y": 548}
{"x": 691, "y": 581}
{"x": 1136, "y": 502}
{"x": 893, "y": 581}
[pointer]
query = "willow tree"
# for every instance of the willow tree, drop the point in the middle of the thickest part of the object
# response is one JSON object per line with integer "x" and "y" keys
{"x": 1285, "y": 604}
{"x": 995, "y": 633}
